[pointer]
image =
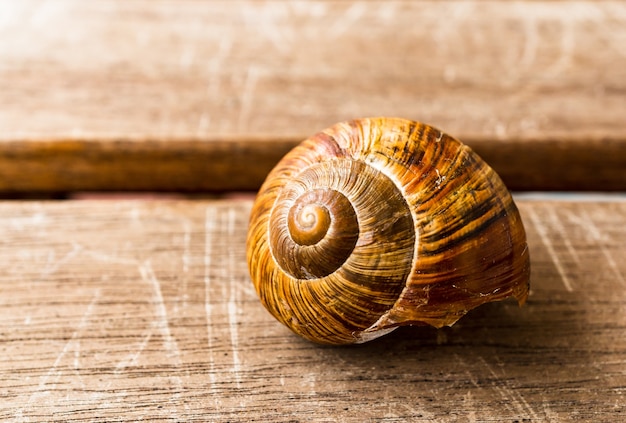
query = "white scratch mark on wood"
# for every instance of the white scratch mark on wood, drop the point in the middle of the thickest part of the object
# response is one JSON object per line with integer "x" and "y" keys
{"x": 566, "y": 50}
{"x": 110, "y": 259}
{"x": 470, "y": 375}
{"x": 614, "y": 11}
{"x": 531, "y": 41}
{"x": 215, "y": 78}
{"x": 132, "y": 358}
{"x": 556, "y": 224}
{"x": 135, "y": 217}
{"x": 613, "y": 265}
{"x": 311, "y": 381}
{"x": 470, "y": 405}
{"x": 601, "y": 241}
{"x": 147, "y": 274}
{"x": 412, "y": 411}
{"x": 209, "y": 229}
{"x": 27, "y": 222}
{"x": 186, "y": 245}
{"x": 347, "y": 20}
{"x": 531, "y": 18}
{"x": 268, "y": 21}
{"x": 162, "y": 323}
{"x": 53, "y": 265}
{"x": 186, "y": 261}
{"x": 387, "y": 12}
{"x": 510, "y": 396}
{"x": 234, "y": 337}
{"x": 247, "y": 97}
{"x": 43, "y": 388}
{"x": 233, "y": 301}
{"x": 545, "y": 238}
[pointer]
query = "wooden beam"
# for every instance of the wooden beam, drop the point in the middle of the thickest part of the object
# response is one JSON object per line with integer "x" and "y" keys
{"x": 242, "y": 164}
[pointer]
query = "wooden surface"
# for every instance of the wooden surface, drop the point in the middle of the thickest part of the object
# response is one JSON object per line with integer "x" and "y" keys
{"x": 144, "y": 310}
{"x": 114, "y": 95}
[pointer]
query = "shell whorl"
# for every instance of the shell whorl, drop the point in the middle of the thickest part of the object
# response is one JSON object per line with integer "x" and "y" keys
{"x": 377, "y": 223}
{"x": 369, "y": 220}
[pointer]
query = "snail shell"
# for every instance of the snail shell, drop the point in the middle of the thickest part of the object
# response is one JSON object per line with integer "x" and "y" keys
{"x": 377, "y": 223}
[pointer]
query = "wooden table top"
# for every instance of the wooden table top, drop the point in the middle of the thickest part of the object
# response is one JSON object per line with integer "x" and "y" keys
{"x": 142, "y": 309}
{"x": 137, "y": 310}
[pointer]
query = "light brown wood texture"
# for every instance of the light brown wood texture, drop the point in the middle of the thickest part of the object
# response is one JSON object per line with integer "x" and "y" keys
{"x": 191, "y": 95}
{"x": 144, "y": 310}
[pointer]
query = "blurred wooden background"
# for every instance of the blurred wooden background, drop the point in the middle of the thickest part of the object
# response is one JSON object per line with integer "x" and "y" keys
{"x": 180, "y": 95}
{"x": 143, "y": 310}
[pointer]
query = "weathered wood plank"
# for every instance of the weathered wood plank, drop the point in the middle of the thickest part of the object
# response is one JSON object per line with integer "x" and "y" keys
{"x": 542, "y": 82}
{"x": 228, "y": 164}
{"x": 123, "y": 165}
{"x": 144, "y": 310}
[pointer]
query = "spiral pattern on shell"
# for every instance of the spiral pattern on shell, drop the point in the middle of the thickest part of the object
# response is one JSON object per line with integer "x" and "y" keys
{"x": 376, "y": 223}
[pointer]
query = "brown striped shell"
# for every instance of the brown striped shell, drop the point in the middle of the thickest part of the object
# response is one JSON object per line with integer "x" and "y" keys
{"x": 377, "y": 223}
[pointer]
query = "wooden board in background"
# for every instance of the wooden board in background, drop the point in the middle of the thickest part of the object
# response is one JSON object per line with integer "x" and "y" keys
{"x": 243, "y": 164}
{"x": 94, "y": 94}
{"x": 144, "y": 310}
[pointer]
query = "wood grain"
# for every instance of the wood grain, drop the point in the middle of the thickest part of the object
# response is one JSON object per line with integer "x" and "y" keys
{"x": 115, "y": 311}
{"x": 542, "y": 82}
